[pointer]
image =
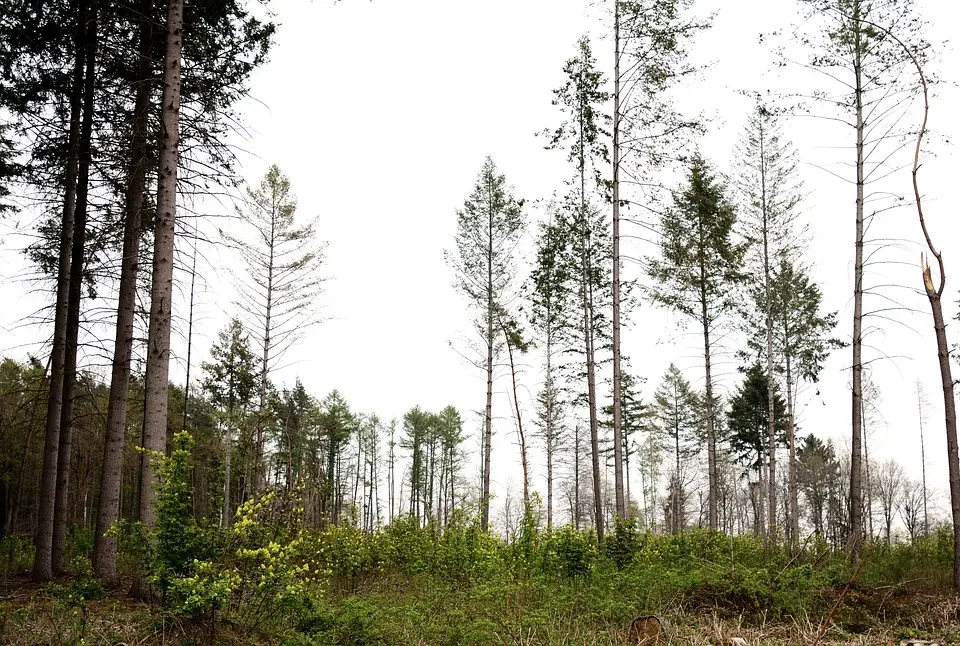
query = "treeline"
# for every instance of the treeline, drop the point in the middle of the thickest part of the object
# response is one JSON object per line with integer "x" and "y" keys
{"x": 121, "y": 108}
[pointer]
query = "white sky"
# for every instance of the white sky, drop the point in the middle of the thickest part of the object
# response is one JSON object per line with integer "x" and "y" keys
{"x": 381, "y": 113}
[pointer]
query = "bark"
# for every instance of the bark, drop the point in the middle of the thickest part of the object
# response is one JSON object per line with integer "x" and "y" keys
{"x": 104, "y": 547}
{"x": 923, "y": 463}
{"x": 771, "y": 409}
{"x": 712, "y": 515}
{"x": 43, "y": 560}
{"x": 520, "y": 433}
{"x": 617, "y": 385}
{"x": 488, "y": 411}
{"x": 855, "y": 538}
{"x": 158, "y": 342}
{"x": 792, "y": 489}
{"x": 592, "y": 397}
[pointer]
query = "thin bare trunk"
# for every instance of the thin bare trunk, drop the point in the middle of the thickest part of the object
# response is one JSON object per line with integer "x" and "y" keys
{"x": 923, "y": 462}
{"x": 105, "y": 547}
{"x": 617, "y": 385}
{"x": 488, "y": 411}
{"x": 158, "y": 341}
{"x": 792, "y": 490}
{"x": 855, "y": 539}
{"x": 520, "y": 434}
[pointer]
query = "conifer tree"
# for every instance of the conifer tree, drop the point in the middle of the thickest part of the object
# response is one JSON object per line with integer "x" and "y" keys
{"x": 697, "y": 274}
{"x": 488, "y": 230}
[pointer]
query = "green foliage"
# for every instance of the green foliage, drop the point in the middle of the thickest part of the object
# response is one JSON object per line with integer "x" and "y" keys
{"x": 570, "y": 552}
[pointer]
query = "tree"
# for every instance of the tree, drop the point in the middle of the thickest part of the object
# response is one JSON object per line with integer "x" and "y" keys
{"x": 549, "y": 309}
{"x": 488, "y": 230}
{"x": 770, "y": 195}
{"x": 588, "y": 253}
{"x": 336, "y": 424}
{"x": 890, "y": 485}
{"x": 817, "y": 471}
{"x": 922, "y": 405}
{"x": 855, "y": 51}
{"x": 279, "y": 296}
{"x": 230, "y": 382}
{"x": 650, "y": 39}
{"x": 105, "y": 547}
{"x": 678, "y": 413}
{"x": 696, "y": 274}
{"x": 747, "y": 421}
{"x": 161, "y": 296}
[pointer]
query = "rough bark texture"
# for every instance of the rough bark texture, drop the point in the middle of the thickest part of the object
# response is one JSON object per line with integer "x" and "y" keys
{"x": 709, "y": 411}
{"x": 158, "y": 340}
{"x": 855, "y": 539}
{"x": 75, "y": 293}
{"x": 617, "y": 385}
{"x": 104, "y": 547}
{"x": 43, "y": 560}
{"x": 488, "y": 410}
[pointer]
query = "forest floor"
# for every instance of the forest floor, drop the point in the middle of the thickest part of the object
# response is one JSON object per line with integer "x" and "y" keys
{"x": 420, "y": 611}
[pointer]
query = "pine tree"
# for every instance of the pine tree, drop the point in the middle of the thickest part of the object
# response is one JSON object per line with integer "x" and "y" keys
{"x": 699, "y": 268}
{"x": 230, "y": 382}
{"x": 488, "y": 230}
{"x": 279, "y": 295}
{"x": 677, "y": 410}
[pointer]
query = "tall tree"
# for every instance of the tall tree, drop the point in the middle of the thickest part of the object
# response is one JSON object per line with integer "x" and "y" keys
{"x": 161, "y": 296}
{"x": 488, "y": 229}
{"x": 770, "y": 194}
{"x": 336, "y": 424}
{"x": 650, "y": 40}
{"x": 43, "y": 560}
{"x": 817, "y": 471}
{"x": 696, "y": 274}
{"x": 580, "y": 98}
{"x": 279, "y": 296}
{"x": 105, "y": 547}
{"x": 855, "y": 53}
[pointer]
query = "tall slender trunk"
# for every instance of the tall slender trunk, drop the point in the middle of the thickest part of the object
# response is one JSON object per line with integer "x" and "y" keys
{"x": 186, "y": 381}
{"x": 923, "y": 463}
{"x": 43, "y": 561}
{"x": 866, "y": 468}
{"x": 771, "y": 408}
{"x": 488, "y": 411}
{"x": 576, "y": 478}
{"x": 161, "y": 297}
{"x": 617, "y": 385}
{"x": 75, "y": 295}
{"x": 792, "y": 489}
{"x": 108, "y": 510}
{"x": 520, "y": 434}
{"x": 855, "y": 538}
{"x": 712, "y": 515}
{"x": 264, "y": 369}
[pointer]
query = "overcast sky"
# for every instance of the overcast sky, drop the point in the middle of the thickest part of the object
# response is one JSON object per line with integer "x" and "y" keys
{"x": 381, "y": 114}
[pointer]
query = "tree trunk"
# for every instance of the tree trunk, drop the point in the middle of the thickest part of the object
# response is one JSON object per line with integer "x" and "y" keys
{"x": 158, "y": 341}
{"x": 488, "y": 411}
{"x": 75, "y": 294}
{"x": 855, "y": 538}
{"x": 710, "y": 424}
{"x": 104, "y": 547}
{"x": 520, "y": 434}
{"x": 43, "y": 561}
{"x": 771, "y": 409}
{"x": 792, "y": 489}
{"x": 617, "y": 385}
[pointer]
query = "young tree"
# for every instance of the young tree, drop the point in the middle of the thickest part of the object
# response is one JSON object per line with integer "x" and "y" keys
{"x": 696, "y": 274}
{"x": 922, "y": 405}
{"x": 230, "y": 382}
{"x": 488, "y": 230}
{"x": 747, "y": 421}
{"x": 336, "y": 424}
{"x": 678, "y": 413}
{"x": 817, "y": 471}
{"x": 890, "y": 486}
{"x": 549, "y": 308}
{"x": 279, "y": 296}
